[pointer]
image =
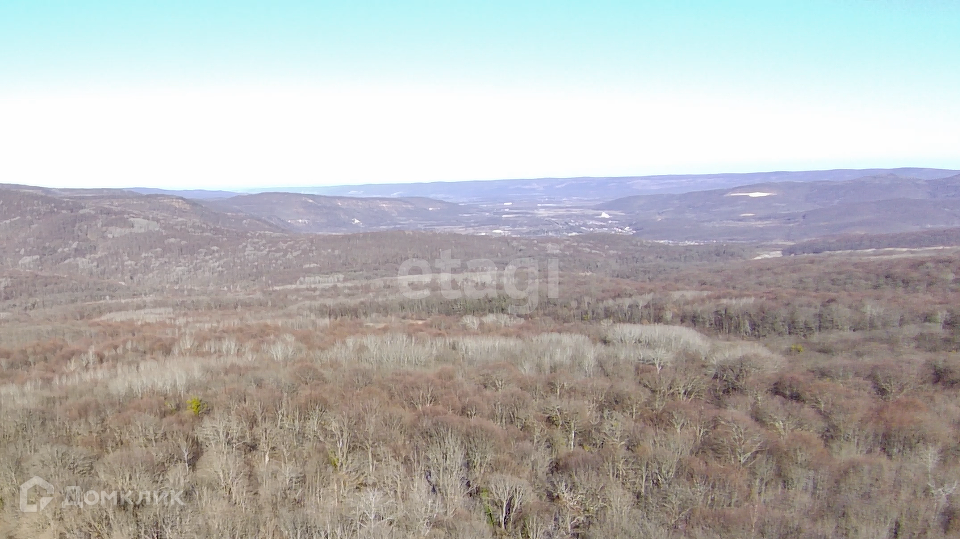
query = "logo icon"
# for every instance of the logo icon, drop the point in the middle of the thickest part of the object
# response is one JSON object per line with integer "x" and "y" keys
{"x": 41, "y": 501}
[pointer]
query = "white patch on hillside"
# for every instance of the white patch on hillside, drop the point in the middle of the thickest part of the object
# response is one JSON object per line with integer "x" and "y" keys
{"x": 769, "y": 254}
{"x": 754, "y": 194}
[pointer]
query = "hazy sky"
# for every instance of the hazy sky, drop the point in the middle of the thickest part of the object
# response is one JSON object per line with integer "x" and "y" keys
{"x": 213, "y": 94}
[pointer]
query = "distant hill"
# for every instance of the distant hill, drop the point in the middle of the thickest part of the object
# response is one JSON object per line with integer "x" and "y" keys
{"x": 196, "y": 194}
{"x": 599, "y": 189}
{"x": 102, "y": 206}
{"x": 792, "y": 211}
{"x": 117, "y": 234}
{"x": 57, "y": 246}
{"x": 315, "y": 213}
{"x": 796, "y": 210}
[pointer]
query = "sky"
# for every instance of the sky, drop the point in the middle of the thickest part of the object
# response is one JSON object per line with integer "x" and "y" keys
{"x": 243, "y": 94}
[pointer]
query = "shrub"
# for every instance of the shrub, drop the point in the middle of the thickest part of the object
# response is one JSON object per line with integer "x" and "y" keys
{"x": 196, "y": 406}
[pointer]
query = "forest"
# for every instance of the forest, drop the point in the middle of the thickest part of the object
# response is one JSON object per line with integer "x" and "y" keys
{"x": 933, "y": 239}
{"x": 673, "y": 391}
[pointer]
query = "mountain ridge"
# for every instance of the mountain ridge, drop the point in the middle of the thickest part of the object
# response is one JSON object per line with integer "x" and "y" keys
{"x": 769, "y": 211}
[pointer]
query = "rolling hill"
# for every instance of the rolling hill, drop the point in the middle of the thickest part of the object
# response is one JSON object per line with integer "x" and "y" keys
{"x": 591, "y": 190}
{"x": 769, "y": 211}
{"x": 792, "y": 211}
{"x": 314, "y": 213}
